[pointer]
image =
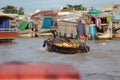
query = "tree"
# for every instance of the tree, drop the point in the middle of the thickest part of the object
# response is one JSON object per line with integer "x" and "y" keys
{"x": 12, "y": 9}
{"x": 75, "y": 7}
{"x": 21, "y": 11}
{"x": 70, "y": 6}
{"x": 9, "y": 9}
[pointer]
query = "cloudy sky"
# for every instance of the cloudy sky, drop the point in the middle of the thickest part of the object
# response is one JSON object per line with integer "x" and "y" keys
{"x": 33, "y": 5}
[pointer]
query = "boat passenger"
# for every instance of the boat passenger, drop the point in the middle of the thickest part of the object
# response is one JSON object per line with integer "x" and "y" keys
{"x": 54, "y": 32}
{"x": 81, "y": 32}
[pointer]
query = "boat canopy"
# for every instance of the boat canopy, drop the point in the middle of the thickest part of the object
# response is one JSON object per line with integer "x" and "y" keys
{"x": 47, "y": 23}
{"x": 23, "y": 25}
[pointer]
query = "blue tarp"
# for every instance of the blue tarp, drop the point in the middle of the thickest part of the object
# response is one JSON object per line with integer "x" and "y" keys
{"x": 47, "y": 22}
{"x": 4, "y": 24}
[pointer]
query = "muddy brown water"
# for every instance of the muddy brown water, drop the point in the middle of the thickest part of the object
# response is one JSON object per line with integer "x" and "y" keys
{"x": 101, "y": 63}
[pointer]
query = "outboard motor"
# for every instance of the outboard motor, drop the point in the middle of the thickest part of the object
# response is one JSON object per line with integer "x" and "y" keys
{"x": 44, "y": 43}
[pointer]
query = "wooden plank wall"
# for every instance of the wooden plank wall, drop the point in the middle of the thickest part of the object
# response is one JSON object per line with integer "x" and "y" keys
{"x": 8, "y": 35}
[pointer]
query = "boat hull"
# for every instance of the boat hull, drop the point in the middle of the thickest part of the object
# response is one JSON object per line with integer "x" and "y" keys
{"x": 106, "y": 35}
{"x": 67, "y": 50}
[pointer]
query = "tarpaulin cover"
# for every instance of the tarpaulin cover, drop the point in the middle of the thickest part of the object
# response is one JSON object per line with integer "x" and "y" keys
{"x": 42, "y": 71}
{"x": 94, "y": 16}
{"x": 47, "y": 22}
{"x": 95, "y": 11}
{"x": 22, "y": 25}
{"x": 109, "y": 18}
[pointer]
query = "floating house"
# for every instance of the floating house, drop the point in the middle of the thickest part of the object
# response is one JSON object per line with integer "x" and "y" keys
{"x": 45, "y": 20}
{"x": 102, "y": 28}
{"x": 116, "y": 23}
{"x": 7, "y": 34}
{"x": 67, "y": 22}
{"x": 114, "y": 9}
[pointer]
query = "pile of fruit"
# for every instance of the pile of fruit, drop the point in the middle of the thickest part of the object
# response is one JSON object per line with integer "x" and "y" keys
{"x": 66, "y": 44}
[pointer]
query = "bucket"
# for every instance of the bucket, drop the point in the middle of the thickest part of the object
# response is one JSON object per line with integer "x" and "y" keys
{"x": 92, "y": 31}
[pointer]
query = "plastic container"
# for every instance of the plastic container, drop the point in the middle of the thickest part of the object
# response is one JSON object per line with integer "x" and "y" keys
{"x": 92, "y": 30}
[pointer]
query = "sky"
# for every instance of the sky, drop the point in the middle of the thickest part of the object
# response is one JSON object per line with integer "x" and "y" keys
{"x": 31, "y": 6}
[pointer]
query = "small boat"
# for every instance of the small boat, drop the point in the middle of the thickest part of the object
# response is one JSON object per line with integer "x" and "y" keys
{"x": 117, "y": 35}
{"x": 64, "y": 47}
{"x": 106, "y": 35}
{"x": 46, "y": 33}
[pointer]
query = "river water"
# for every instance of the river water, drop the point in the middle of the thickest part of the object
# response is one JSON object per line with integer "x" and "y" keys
{"x": 101, "y": 63}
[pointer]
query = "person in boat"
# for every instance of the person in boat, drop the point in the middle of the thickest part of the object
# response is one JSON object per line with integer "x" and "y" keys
{"x": 54, "y": 38}
{"x": 81, "y": 32}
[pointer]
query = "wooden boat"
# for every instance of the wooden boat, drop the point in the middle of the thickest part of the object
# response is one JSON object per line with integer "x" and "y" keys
{"x": 106, "y": 35}
{"x": 68, "y": 49}
{"x": 26, "y": 33}
{"x": 117, "y": 35}
{"x": 46, "y": 33}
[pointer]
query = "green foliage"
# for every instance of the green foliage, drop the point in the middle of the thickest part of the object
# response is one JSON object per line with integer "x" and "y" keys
{"x": 75, "y": 7}
{"x": 13, "y": 10}
{"x": 21, "y": 11}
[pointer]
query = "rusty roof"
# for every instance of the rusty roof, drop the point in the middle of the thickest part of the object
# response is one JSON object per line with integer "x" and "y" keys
{"x": 2, "y": 15}
{"x": 46, "y": 13}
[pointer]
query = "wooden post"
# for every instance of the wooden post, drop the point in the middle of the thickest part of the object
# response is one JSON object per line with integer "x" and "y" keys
{"x": 110, "y": 24}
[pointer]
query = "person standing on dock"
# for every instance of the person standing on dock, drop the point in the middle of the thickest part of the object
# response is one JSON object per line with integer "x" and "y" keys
{"x": 81, "y": 32}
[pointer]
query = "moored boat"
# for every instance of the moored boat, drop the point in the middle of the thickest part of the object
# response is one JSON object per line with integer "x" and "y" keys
{"x": 106, "y": 35}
